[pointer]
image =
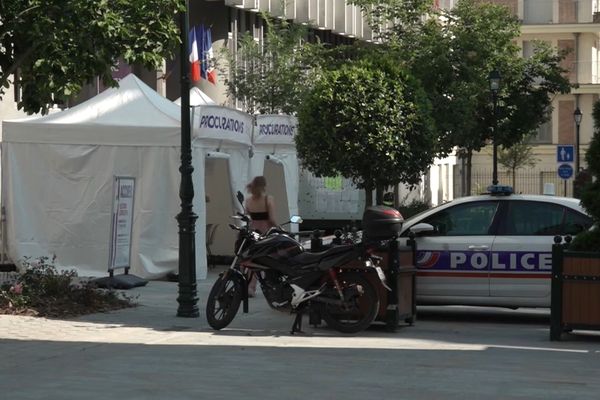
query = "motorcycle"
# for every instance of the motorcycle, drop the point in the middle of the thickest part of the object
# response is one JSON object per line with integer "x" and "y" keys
{"x": 299, "y": 281}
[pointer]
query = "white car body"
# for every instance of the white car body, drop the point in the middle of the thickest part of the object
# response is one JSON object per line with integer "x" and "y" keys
{"x": 507, "y": 263}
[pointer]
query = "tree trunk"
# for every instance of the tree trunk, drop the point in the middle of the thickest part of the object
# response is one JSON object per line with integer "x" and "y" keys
{"x": 379, "y": 195}
{"x": 397, "y": 196}
{"x": 368, "y": 196}
{"x": 468, "y": 168}
{"x": 514, "y": 178}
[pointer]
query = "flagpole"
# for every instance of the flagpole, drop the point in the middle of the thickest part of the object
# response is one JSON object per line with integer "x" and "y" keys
{"x": 188, "y": 296}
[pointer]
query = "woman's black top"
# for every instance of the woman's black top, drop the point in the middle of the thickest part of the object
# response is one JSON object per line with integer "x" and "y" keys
{"x": 261, "y": 216}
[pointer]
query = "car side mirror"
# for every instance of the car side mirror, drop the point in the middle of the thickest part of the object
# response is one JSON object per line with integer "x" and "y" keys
{"x": 422, "y": 229}
{"x": 296, "y": 219}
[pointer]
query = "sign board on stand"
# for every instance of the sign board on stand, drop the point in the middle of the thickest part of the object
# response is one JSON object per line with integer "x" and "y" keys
{"x": 120, "y": 236}
{"x": 122, "y": 219}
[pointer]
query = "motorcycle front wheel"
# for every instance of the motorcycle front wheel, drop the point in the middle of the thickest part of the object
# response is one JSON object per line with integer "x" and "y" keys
{"x": 359, "y": 308}
{"x": 223, "y": 301}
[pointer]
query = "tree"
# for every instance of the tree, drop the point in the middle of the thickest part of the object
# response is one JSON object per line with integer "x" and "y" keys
{"x": 452, "y": 55}
{"x": 270, "y": 76}
{"x": 519, "y": 155}
{"x": 56, "y": 46}
{"x": 368, "y": 120}
{"x": 590, "y": 198}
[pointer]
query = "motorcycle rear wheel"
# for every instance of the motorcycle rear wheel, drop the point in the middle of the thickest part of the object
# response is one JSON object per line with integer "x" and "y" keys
{"x": 223, "y": 302}
{"x": 359, "y": 311}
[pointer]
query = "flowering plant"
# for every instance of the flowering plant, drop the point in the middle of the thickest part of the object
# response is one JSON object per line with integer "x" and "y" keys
{"x": 44, "y": 290}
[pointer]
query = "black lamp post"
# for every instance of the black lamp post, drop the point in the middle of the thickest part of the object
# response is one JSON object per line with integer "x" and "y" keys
{"x": 494, "y": 80}
{"x": 188, "y": 297}
{"x": 577, "y": 117}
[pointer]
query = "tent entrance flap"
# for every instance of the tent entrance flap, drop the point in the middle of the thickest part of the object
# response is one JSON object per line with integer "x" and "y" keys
{"x": 276, "y": 187}
{"x": 219, "y": 208}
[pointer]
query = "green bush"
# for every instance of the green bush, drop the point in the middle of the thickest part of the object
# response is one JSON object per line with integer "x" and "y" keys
{"x": 590, "y": 196}
{"x": 586, "y": 241}
{"x": 414, "y": 207}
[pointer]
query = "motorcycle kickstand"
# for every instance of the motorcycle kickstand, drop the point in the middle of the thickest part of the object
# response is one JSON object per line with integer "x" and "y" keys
{"x": 297, "y": 326}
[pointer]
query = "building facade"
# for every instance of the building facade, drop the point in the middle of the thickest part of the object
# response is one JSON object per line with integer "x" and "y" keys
{"x": 572, "y": 25}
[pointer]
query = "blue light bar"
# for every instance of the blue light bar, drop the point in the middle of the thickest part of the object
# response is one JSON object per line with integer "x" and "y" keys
{"x": 500, "y": 190}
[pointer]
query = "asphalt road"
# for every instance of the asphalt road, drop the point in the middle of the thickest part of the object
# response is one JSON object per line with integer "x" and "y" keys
{"x": 149, "y": 353}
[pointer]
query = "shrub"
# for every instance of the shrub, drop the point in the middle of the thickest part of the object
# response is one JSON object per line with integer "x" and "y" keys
{"x": 590, "y": 196}
{"x": 43, "y": 290}
{"x": 414, "y": 207}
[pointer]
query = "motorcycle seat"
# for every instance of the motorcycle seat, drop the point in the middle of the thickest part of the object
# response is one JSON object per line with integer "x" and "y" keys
{"x": 308, "y": 258}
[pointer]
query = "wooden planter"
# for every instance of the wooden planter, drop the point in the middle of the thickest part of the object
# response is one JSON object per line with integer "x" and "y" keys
{"x": 399, "y": 265}
{"x": 575, "y": 302}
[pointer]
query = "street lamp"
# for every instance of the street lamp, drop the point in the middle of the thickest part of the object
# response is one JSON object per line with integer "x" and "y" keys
{"x": 188, "y": 297}
{"x": 494, "y": 80}
{"x": 577, "y": 117}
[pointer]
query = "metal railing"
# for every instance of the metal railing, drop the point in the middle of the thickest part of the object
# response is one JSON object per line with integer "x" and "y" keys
{"x": 525, "y": 182}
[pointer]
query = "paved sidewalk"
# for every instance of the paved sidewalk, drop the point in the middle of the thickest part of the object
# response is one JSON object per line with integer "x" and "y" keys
{"x": 149, "y": 353}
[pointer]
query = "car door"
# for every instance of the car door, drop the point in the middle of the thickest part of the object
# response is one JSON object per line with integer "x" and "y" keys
{"x": 453, "y": 260}
{"x": 521, "y": 261}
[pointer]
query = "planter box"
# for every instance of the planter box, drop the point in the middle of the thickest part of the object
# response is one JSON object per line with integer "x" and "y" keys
{"x": 575, "y": 302}
{"x": 399, "y": 265}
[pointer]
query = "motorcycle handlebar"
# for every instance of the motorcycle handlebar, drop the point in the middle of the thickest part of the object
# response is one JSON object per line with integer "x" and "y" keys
{"x": 237, "y": 228}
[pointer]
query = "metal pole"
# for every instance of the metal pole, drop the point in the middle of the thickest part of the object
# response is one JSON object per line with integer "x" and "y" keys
{"x": 577, "y": 150}
{"x": 188, "y": 297}
{"x": 495, "y": 147}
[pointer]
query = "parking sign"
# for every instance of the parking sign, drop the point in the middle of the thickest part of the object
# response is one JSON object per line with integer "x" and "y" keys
{"x": 565, "y": 153}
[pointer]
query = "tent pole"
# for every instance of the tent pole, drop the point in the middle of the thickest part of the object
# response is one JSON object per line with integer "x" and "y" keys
{"x": 188, "y": 296}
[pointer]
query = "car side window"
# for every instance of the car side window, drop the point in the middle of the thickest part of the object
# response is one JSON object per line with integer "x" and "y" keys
{"x": 576, "y": 222}
{"x": 467, "y": 219}
{"x": 527, "y": 218}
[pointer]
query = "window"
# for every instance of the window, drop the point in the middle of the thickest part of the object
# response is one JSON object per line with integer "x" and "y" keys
{"x": 544, "y": 133}
{"x": 576, "y": 222}
{"x": 537, "y": 12}
{"x": 465, "y": 219}
{"x": 526, "y": 218}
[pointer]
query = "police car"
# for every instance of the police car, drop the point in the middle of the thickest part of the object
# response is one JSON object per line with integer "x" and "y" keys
{"x": 493, "y": 249}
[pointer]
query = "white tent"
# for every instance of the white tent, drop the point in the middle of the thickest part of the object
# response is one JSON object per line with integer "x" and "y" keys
{"x": 222, "y": 143}
{"x": 197, "y": 98}
{"x": 275, "y": 158}
{"x": 58, "y": 173}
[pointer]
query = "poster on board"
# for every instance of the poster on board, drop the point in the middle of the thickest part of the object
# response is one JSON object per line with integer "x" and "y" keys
{"x": 122, "y": 220}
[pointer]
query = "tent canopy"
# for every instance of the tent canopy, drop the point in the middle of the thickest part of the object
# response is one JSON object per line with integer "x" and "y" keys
{"x": 197, "y": 98}
{"x": 138, "y": 114}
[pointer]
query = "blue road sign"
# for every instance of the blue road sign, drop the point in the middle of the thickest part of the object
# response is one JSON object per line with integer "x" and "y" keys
{"x": 565, "y": 171}
{"x": 565, "y": 153}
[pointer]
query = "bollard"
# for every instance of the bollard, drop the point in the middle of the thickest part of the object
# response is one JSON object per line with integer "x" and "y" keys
{"x": 316, "y": 241}
{"x": 337, "y": 240}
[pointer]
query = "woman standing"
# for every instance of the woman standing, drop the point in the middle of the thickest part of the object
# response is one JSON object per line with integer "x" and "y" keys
{"x": 261, "y": 208}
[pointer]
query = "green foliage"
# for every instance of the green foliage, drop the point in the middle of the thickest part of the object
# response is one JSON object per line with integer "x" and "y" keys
{"x": 272, "y": 75}
{"x": 586, "y": 241}
{"x": 57, "y": 46}
{"x": 590, "y": 197}
{"x": 43, "y": 290}
{"x": 368, "y": 120}
{"x": 414, "y": 207}
{"x": 518, "y": 156}
{"x": 452, "y": 56}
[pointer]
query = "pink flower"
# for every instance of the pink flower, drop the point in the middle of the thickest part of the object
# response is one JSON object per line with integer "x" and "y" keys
{"x": 17, "y": 288}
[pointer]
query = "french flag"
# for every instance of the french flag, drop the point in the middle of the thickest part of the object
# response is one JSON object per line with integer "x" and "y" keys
{"x": 207, "y": 70}
{"x": 194, "y": 59}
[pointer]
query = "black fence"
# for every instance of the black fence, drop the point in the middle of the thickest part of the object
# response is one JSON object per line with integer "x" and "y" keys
{"x": 526, "y": 181}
